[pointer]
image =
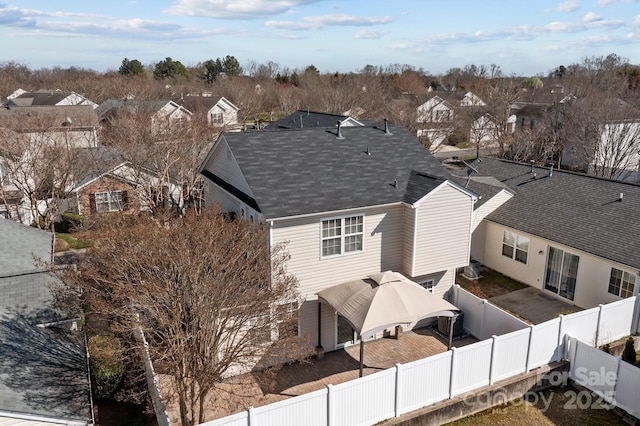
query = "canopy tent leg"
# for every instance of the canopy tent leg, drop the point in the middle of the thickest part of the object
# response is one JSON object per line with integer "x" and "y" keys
{"x": 361, "y": 355}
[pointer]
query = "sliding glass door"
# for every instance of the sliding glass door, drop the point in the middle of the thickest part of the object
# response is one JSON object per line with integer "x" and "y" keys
{"x": 561, "y": 272}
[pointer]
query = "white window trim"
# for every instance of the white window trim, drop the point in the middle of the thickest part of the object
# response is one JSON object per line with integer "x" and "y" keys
{"x": 429, "y": 284}
{"x": 515, "y": 246}
{"x": 109, "y": 201}
{"x": 342, "y": 235}
{"x": 634, "y": 281}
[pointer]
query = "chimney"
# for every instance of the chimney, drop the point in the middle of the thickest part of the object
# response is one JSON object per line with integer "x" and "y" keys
{"x": 340, "y": 131}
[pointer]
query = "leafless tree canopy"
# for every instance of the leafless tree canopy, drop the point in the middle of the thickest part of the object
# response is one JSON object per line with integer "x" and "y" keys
{"x": 204, "y": 289}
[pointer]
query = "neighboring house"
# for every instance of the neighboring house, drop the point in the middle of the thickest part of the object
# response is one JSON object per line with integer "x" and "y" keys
{"x": 438, "y": 113}
{"x": 573, "y": 236}
{"x": 106, "y": 182}
{"x": 161, "y": 112}
{"x": 305, "y": 118}
{"x": 60, "y": 126}
{"x": 217, "y": 111}
{"x": 348, "y": 202}
{"x": 44, "y": 376}
{"x": 22, "y": 98}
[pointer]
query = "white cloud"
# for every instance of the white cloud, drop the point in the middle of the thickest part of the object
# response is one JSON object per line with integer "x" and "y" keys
{"x": 636, "y": 22}
{"x": 370, "y": 34}
{"x": 567, "y": 6}
{"x": 605, "y": 3}
{"x": 322, "y": 21}
{"x": 235, "y": 9}
{"x": 591, "y": 17}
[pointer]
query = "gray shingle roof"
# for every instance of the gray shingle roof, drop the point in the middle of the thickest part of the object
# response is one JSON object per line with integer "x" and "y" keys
{"x": 573, "y": 209}
{"x": 43, "y": 371}
{"x": 310, "y": 170}
{"x": 308, "y": 119}
{"x": 19, "y": 244}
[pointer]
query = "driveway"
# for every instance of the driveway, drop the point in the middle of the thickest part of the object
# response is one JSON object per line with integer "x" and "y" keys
{"x": 533, "y": 304}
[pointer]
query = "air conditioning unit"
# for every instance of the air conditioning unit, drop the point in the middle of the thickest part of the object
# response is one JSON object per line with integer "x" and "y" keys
{"x": 472, "y": 271}
{"x": 458, "y": 325}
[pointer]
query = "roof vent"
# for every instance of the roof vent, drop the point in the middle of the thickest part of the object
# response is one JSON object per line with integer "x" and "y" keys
{"x": 551, "y": 170}
{"x": 386, "y": 127}
{"x": 395, "y": 184}
{"x": 532, "y": 162}
{"x": 340, "y": 131}
{"x": 621, "y": 197}
{"x": 301, "y": 121}
{"x": 368, "y": 152}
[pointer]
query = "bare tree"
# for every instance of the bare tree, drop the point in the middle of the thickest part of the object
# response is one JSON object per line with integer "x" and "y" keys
{"x": 204, "y": 290}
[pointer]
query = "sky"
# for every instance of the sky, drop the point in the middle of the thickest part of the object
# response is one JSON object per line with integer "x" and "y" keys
{"x": 523, "y": 37}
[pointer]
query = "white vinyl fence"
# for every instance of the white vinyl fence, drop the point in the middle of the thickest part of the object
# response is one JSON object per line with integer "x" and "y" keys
{"x": 614, "y": 380}
{"x": 407, "y": 387}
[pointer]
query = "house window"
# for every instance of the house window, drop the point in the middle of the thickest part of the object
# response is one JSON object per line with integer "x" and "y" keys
{"x": 621, "y": 283}
{"x": 288, "y": 320}
{"x": 429, "y": 284}
{"x": 259, "y": 330}
{"x": 217, "y": 118}
{"x": 561, "y": 272}
{"x": 342, "y": 235}
{"x": 109, "y": 201}
{"x": 515, "y": 246}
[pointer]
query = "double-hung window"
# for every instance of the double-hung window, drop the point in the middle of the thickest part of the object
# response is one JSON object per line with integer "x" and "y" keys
{"x": 515, "y": 246}
{"x": 342, "y": 235}
{"x": 108, "y": 201}
{"x": 621, "y": 283}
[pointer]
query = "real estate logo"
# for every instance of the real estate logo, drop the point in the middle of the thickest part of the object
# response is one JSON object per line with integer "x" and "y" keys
{"x": 555, "y": 385}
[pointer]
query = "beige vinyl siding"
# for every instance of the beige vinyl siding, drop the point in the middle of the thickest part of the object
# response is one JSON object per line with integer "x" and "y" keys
{"x": 408, "y": 234}
{"x": 593, "y": 272}
{"x": 489, "y": 206}
{"x": 382, "y": 229}
{"x": 443, "y": 230}
{"x": 479, "y": 224}
{"x": 226, "y": 167}
{"x": 213, "y": 194}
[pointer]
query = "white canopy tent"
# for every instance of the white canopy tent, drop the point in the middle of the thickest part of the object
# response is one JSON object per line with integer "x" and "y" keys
{"x": 384, "y": 300}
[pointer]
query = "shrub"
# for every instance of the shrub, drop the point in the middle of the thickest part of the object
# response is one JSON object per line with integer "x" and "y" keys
{"x": 74, "y": 221}
{"x": 107, "y": 365}
{"x": 606, "y": 348}
{"x": 629, "y": 353}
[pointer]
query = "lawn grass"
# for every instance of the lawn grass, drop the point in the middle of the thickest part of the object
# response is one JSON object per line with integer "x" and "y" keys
{"x": 490, "y": 284}
{"x": 72, "y": 243}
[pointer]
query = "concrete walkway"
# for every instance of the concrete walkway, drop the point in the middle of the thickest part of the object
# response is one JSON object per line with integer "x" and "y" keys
{"x": 533, "y": 305}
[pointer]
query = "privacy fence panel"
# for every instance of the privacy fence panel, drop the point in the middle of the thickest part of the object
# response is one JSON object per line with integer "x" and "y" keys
{"x": 239, "y": 419}
{"x": 424, "y": 382}
{"x": 510, "y": 354}
{"x": 498, "y": 322}
{"x": 594, "y": 369}
{"x": 311, "y": 407}
{"x": 582, "y": 325}
{"x": 470, "y": 367}
{"x": 544, "y": 343}
{"x": 616, "y": 320}
{"x": 367, "y": 400}
{"x": 628, "y": 388}
{"x": 473, "y": 308}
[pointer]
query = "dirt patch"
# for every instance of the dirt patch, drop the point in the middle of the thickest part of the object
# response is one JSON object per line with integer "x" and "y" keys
{"x": 490, "y": 284}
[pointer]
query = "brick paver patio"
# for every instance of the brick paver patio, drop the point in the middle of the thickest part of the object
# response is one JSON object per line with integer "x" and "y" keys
{"x": 261, "y": 388}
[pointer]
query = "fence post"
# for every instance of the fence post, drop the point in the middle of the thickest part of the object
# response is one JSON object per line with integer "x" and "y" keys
{"x": 613, "y": 394}
{"x": 597, "y": 336}
{"x": 560, "y": 341}
{"x": 456, "y": 290}
{"x": 398, "y": 394}
{"x": 493, "y": 354}
{"x": 451, "y": 372}
{"x": 636, "y": 315}
{"x": 330, "y": 421}
{"x": 484, "y": 312}
{"x": 527, "y": 365}
{"x": 252, "y": 417}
